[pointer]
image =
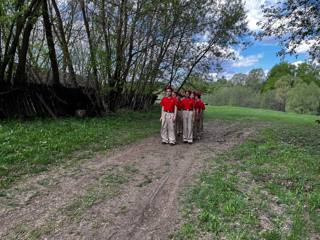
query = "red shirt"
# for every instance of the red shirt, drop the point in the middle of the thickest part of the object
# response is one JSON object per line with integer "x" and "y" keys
{"x": 188, "y": 104}
{"x": 179, "y": 105}
{"x": 197, "y": 104}
{"x": 201, "y": 104}
{"x": 168, "y": 104}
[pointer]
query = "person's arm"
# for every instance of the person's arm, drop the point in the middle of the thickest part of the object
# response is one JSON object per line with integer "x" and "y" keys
{"x": 161, "y": 117}
{"x": 194, "y": 112}
{"x": 175, "y": 112}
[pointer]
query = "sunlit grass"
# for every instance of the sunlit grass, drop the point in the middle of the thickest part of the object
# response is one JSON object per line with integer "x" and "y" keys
{"x": 266, "y": 188}
{"x": 251, "y": 114}
{"x": 31, "y": 146}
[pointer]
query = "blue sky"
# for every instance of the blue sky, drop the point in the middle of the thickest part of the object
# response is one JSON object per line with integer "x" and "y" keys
{"x": 260, "y": 54}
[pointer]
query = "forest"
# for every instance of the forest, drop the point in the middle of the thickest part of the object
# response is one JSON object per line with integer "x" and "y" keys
{"x": 59, "y": 56}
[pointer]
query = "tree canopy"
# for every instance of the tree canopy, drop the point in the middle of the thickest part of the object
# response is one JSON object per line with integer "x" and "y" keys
{"x": 118, "y": 46}
{"x": 294, "y": 23}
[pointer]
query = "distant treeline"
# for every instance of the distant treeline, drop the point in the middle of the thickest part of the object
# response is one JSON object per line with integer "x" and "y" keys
{"x": 286, "y": 88}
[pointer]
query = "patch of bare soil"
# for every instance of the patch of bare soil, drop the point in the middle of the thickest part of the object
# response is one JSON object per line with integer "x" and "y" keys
{"x": 130, "y": 193}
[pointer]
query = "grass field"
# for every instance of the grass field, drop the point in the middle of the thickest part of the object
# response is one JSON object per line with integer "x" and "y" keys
{"x": 251, "y": 114}
{"x": 266, "y": 188}
{"x": 30, "y": 147}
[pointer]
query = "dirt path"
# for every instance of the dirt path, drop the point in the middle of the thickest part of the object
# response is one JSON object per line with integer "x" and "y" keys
{"x": 130, "y": 193}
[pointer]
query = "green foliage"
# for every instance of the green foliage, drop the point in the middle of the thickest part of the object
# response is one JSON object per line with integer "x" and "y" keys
{"x": 262, "y": 189}
{"x": 242, "y": 96}
{"x": 268, "y": 100}
{"x": 278, "y": 71}
{"x": 308, "y": 73}
{"x": 294, "y": 23}
{"x": 255, "y": 78}
{"x": 250, "y": 91}
{"x": 29, "y": 147}
{"x": 282, "y": 86}
{"x": 304, "y": 98}
{"x": 197, "y": 83}
{"x": 233, "y": 96}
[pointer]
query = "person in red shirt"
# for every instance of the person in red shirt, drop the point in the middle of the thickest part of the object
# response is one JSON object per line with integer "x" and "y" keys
{"x": 178, "y": 123}
{"x": 188, "y": 116}
{"x": 198, "y": 113}
{"x": 168, "y": 117}
{"x": 203, "y": 107}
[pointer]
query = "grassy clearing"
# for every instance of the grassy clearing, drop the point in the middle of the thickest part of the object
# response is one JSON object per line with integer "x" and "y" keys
{"x": 266, "y": 188}
{"x": 29, "y": 147}
{"x": 251, "y": 114}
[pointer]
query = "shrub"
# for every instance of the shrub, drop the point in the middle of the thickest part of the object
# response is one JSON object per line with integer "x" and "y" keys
{"x": 304, "y": 98}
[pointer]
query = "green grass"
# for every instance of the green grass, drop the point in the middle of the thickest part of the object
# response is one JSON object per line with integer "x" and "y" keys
{"x": 266, "y": 188}
{"x": 251, "y": 114}
{"x": 30, "y": 147}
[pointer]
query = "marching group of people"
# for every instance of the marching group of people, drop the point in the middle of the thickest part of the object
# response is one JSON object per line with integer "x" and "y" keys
{"x": 181, "y": 114}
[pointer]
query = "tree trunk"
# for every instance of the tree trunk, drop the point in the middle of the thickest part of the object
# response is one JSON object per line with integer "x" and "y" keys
{"x": 91, "y": 48}
{"x": 21, "y": 68}
{"x": 11, "y": 51}
{"x": 64, "y": 43}
{"x": 50, "y": 42}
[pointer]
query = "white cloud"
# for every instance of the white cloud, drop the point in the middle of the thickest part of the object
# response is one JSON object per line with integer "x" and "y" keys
{"x": 246, "y": 61}
{"x": 214, "y": 76}
{"x": 228, "y": 76}
{"x": 254, "y": 12}
{"x": 297, "y": 63}
{"x": 305, "y": 46}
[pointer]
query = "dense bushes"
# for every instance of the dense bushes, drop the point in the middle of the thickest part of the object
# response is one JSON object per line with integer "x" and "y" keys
{"x": 286, "y": 88}
{"x": 244, "y": 97}
{"x": 234, "y": 96}
{"x": 304, "y": 98}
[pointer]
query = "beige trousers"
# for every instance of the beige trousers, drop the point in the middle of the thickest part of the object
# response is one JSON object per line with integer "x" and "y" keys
{"x": 167, "y": 128}
{"x": 179, "y": 123}
{"x": 187, "y": 126}
{"x": 196, "y": 129}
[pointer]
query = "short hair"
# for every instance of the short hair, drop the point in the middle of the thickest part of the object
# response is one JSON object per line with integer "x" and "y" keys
{"x": 168, "y": 87}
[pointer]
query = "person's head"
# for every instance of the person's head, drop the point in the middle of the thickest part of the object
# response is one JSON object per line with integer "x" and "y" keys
{"x": 187, "y": 94}
{"x": 174, "y": 94}
{"x": 192, "y": 95}
{"x": 196, "y": 96}
{"x": 168, "y": 91}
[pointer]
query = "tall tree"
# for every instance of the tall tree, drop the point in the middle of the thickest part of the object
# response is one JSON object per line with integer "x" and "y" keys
{"x": 51, "y": 46}
{"x": 278, "y": 71}
{"x": 93, "y": 61}
{"x": 21, "y": 67}
{"x": 255, "y": 79}
{"x": 64, "y": 43}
